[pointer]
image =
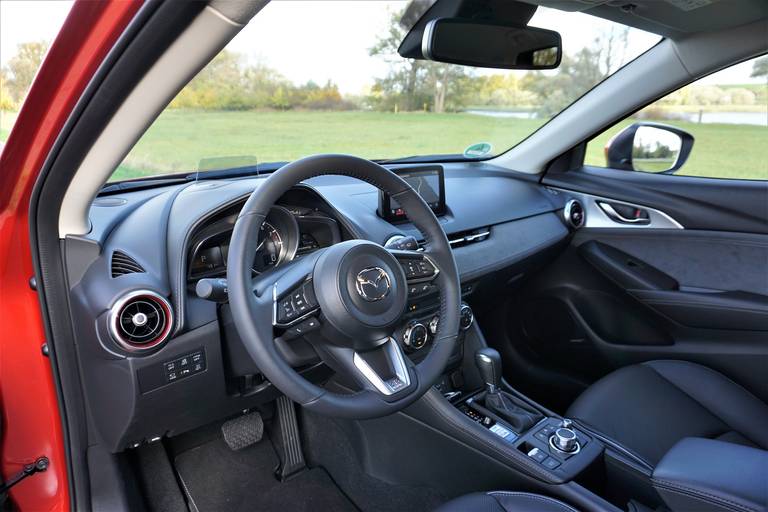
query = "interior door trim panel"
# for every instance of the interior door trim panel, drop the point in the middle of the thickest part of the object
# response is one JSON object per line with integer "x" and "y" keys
{"x": 597, "y": 212}
{"x": 696, "y": 259}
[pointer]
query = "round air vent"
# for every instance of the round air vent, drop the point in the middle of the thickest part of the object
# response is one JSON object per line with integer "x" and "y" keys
{"x": 574, "y": 214}
{"x": 141, "y": 320}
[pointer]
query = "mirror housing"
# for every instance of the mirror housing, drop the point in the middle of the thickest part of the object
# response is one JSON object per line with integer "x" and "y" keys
{"x": 649, "y": 147}
{"x": 490, "y": 45}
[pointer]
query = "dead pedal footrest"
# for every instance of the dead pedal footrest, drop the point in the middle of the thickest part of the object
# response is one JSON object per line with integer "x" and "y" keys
{"x": 293, "y": 456}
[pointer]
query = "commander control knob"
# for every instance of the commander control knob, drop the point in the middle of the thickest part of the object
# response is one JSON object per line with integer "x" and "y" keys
{"x": 415, "y": 336}
{"x": 564, "y": 439}
{"x": 466, "y": 317}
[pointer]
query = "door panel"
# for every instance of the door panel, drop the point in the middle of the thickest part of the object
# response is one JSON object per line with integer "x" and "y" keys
{"x": 625, "y": 294}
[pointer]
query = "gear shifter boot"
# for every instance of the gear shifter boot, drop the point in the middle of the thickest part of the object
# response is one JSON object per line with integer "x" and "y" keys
{"x": 519, "y": 417}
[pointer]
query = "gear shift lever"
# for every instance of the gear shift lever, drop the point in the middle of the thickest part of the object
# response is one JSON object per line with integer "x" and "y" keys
{"x": 518, "y": 414}
{"x": 488, "y": 362}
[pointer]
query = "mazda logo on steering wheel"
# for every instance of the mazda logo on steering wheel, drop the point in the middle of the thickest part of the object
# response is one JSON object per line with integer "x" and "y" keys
{"x": 373, "y": 283}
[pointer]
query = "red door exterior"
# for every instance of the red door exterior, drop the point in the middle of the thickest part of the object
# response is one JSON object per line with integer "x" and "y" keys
{"x": 31, "y": 424}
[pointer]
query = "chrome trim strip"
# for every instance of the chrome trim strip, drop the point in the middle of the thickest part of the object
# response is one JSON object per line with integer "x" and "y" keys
{"x": 613, "y": 214}
{"x": 395, "y": 356}
{"x": 469, "y": 238}
{"x": 596, "y": 217}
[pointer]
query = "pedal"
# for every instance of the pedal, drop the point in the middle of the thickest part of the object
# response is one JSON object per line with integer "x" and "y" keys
{"x": 243, "y": 431}
{"x": 293, "y": 456}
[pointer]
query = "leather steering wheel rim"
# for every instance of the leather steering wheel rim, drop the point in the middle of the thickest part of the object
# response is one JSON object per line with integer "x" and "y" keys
{"x": 253, "y": 307}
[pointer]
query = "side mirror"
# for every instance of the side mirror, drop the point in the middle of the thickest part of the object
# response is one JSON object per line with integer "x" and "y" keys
{"x": 490, "y": 45}
{"x": 649, "y": 147}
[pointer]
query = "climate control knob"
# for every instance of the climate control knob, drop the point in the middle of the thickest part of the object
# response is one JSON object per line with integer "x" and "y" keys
{"x": 433, "y": 324}
{"x": 415, "y": 336}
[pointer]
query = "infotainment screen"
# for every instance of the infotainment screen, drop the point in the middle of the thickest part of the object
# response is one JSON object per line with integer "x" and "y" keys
{"x": 427, "y": 181}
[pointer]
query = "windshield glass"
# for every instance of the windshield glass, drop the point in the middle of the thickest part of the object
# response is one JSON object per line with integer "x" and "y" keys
{"x": 325, "y": 77}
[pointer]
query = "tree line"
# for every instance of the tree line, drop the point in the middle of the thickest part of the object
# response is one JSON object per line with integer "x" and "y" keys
{"x": 228, "y": 82}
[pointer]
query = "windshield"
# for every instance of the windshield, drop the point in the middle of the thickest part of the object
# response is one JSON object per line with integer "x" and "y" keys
{"x": 325, "y": 77}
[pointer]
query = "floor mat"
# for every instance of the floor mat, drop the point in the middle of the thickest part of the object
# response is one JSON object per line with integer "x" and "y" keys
{"x": 218, "y": 479}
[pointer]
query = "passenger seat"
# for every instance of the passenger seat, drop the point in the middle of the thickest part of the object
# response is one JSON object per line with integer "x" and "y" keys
{"x": 651, "y": 406}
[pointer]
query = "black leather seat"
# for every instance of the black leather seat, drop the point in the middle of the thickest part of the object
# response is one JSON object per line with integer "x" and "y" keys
{"x": 503, "y": 501}
{"x": 651, "y": 406}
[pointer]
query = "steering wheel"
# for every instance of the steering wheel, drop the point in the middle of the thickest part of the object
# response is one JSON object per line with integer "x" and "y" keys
{"x": 354, "y": 292}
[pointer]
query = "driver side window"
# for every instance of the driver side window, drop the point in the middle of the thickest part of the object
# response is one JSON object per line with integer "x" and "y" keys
{"x": 716, "y": 127}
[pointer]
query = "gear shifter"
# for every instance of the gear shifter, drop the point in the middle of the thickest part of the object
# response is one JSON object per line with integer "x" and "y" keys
{"x": 488, "y": 362}
{"x": 519, "y": 415}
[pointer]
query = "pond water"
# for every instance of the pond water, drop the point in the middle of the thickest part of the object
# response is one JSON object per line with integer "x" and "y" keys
{"x": 751, "y": 118}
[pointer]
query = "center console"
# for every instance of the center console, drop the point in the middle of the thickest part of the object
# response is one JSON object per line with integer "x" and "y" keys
{"x": 551, "y": 442}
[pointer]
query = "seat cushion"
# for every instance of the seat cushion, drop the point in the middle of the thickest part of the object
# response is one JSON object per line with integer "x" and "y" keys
{"x": 650, "y": 406}
{"x": 504, "y": 501}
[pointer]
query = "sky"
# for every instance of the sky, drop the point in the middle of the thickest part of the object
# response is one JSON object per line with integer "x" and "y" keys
{"x": 320, "y": 41}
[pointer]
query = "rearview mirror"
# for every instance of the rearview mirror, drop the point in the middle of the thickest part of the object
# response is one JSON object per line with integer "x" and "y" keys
{"x": 649, "y": 147}
{"x": 490, "y": 45}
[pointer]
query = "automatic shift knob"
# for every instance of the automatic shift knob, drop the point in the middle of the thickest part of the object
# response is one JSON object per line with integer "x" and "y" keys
{"x": 488, "y": 362}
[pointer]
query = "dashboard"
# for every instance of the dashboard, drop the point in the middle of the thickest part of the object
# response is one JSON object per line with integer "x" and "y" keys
{"x": 159, "y": 358}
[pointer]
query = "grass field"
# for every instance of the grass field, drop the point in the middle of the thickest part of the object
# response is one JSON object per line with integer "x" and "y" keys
{"x": 178, "y": 140}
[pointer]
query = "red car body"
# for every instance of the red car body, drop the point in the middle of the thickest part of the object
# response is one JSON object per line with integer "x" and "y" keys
{"x": 32, "y": 424}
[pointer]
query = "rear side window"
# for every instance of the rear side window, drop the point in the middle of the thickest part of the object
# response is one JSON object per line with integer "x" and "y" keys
{"x": 726, "y": 114}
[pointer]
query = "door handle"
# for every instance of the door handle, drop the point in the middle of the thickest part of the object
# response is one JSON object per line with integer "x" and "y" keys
{"x": 640, "y": 216}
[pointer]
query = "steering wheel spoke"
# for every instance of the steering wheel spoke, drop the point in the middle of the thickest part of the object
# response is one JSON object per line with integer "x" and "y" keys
{"x": 384, "y": 370}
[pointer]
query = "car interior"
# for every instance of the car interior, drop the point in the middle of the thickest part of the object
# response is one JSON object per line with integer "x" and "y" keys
{"x": 517, "y": 333}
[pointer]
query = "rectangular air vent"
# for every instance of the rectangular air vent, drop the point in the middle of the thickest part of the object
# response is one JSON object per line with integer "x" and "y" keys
{"x": 123, "y": 264}
{"x": 463, "y": 238}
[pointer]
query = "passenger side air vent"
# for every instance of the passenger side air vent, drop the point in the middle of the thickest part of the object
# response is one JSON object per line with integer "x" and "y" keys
{"x": 574, "y": 214}
{"x": 468, "y": 237}
{"x": 123, "y": 264}
{"x": 141, "y": 320}
{"x": 463, "y": 238}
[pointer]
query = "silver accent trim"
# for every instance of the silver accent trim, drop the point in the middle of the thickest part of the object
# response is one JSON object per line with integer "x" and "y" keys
{"x": 613, "y": 214}
{"x": 114, "y": 316}
{"x": 558, "y": 450}
{"x": 469, "y": 238}
{"x": 395, "y": 356}
{"x": 596, "y": 217}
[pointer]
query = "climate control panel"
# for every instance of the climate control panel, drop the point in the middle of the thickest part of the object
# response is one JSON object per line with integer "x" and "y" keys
{"x": 420, "y": 331}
